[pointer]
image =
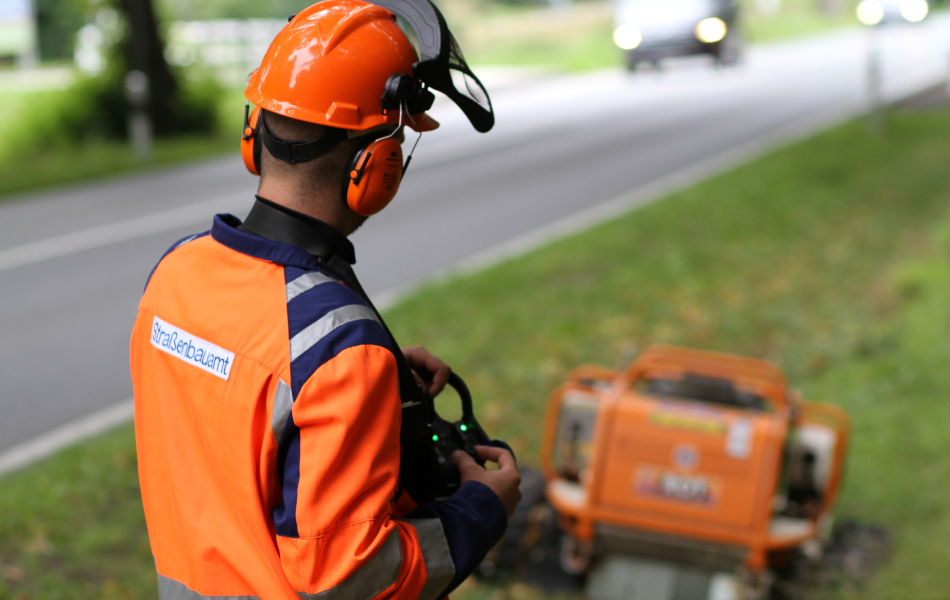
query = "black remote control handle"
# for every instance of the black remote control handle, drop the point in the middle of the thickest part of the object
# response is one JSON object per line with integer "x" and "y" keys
{"x": 456, "y": 382}
{"x": 427, "y": 469}
{"x": 468, "y": 416}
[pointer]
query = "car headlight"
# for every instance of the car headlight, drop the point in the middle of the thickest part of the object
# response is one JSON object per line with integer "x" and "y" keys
{"x": 870, "y": 12}
{"x": 711, "y": 30}
{"x": 914, "y": 10}
{"x": 628, "y": 37}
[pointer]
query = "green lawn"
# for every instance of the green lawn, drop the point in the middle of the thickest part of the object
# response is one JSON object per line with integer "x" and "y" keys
{"x": 830, "y": 257}
{"x": 73, "y": 527}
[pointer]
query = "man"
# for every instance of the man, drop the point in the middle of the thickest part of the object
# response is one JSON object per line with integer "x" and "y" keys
{"x": 268, "y": 390}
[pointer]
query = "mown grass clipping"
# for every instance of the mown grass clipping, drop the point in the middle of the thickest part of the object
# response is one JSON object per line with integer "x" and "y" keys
{"x": 830, "y": 257}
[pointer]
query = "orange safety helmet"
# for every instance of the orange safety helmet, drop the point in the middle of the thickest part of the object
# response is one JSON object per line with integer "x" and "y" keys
{"x": 330, "y": 65}
{"x": 346, "y": 64}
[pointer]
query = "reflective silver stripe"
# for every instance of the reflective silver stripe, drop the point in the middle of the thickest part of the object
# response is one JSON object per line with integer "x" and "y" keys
{"x": 283, "y": 404}
{"x": 435, "y": 552}
{"x": 169, "y": 589}
{"x": 319, "y": 329}
{"x": 305, "y": 282}
{"x": 185, "y": 241}
{"x": 368, "y": 581}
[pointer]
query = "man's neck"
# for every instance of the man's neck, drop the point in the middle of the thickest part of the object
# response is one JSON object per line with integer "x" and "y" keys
{"x": 326, "y": 207}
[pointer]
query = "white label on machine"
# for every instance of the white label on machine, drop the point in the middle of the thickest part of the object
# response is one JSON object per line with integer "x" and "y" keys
{"x": 660, "y": 483}
{"x": 739, "y": 438}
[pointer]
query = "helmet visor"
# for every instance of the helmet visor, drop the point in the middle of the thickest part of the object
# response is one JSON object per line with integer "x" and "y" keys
{"x": 442, "y": 66}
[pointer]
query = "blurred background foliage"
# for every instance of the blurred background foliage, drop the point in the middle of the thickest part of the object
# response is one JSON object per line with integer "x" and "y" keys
{"x": 199, "y": 105}
{"x": 131, "y": 33}
{"x": 90, "y": 107}
{"x": 58, "y": 21}
{"x": 189, "y": 10}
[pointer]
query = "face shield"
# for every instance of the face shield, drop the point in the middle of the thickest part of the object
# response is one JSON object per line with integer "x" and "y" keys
{"x": 441, "y": 65}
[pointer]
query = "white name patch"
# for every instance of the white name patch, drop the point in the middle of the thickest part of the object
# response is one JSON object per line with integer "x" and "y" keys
{"x": 193, "y": 350}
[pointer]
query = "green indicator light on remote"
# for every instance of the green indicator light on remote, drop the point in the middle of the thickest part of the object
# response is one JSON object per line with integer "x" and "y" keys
{"x": 435, "y": 438}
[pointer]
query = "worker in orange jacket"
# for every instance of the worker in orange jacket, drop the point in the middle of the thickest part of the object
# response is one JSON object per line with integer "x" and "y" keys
{"x": 268, "y": 390}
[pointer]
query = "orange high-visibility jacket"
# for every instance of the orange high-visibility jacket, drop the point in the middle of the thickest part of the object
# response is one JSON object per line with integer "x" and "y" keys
{"x": 267, "y": 418}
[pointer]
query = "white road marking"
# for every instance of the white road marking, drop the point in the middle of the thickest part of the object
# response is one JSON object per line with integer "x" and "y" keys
{"x": 114, "y": 233}
{"x": 53, "y": 441}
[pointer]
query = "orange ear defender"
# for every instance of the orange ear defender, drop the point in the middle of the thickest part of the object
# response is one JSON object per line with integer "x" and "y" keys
{"x": 373, "y": 176}
{"x": 250, "y": 144}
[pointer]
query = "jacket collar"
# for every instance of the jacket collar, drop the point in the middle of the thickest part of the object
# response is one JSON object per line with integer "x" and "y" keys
{"x": 280, "y": 235}
{"x": 275, "y": 222}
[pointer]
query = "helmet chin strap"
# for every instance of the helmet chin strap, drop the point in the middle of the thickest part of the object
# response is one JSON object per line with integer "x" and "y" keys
{"x": 298, "y": 152}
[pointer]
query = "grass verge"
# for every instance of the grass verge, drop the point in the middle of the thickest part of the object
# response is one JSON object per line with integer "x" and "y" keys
{"x": 827, "y": 257}
{"x": 61, "y": 163}
{"x": 101, "y": 159}
{"x": 73, "y": 527}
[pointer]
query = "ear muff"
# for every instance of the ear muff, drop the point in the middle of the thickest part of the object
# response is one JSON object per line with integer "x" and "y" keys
{"x": 373, "y": 176}
{"x": 251, "y": 142}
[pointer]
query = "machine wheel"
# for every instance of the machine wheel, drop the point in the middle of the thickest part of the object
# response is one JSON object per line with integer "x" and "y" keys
{"x": 756, "y": 585}
{"x": 576, "y": 556}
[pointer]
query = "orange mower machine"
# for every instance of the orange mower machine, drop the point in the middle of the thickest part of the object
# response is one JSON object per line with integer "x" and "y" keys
{"x": 688, "y": 475}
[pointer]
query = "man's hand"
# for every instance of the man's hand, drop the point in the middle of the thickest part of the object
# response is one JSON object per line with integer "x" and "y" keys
{"x": 421, "y": 359}
{"x": 504, "y": 482}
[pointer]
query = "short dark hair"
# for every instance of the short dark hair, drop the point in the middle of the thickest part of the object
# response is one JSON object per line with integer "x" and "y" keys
{"x": 324, "y": 170}
{"x": 292, "y": 130}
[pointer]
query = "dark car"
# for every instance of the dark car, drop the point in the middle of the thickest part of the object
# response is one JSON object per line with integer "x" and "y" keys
{"x": 651, "y": 30}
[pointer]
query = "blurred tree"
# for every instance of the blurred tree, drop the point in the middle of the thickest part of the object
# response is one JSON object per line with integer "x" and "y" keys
{"x": 189, "y": 10}
{"x": 145, "y": 51}
{"x": 96, "y": 106}
{"x": 57, "y": 22}
{"x": 176, "y": 104}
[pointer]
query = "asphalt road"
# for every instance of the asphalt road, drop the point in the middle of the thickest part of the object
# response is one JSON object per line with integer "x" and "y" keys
{"x": 565, "y": 151}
